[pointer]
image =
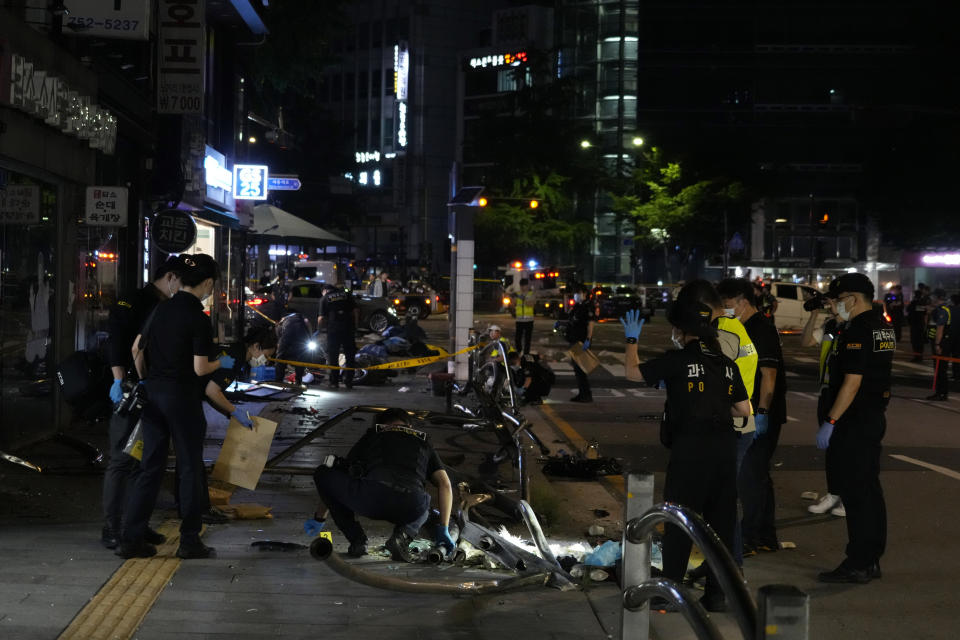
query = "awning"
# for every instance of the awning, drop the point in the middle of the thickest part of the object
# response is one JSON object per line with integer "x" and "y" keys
{"x": 271, "y": 221}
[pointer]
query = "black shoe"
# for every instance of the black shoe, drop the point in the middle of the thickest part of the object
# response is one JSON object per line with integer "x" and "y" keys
{"x": 662, "y": 605}
{"x": 191, "y": 549}
{"x": 358, "y": 548}
{"x": 153, "y": 537}
{"x": 749, "y": 550}
{"x": 847, "y": 575}
{"x": 110, "y": 538}
{"x": 579, "y": 398}
{"x": 399, "y": 545}
{"x": 714, "y": 603}
{"x": 213, "y": 516}
{"x": 875, "y": 573}
{"x": 139, "y": 549}
{"x": 767, "y": 547}
{"x": 938, "y": 397}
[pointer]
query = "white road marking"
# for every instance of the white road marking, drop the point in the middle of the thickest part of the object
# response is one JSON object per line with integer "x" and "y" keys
{"x": 614, "y": 369}
{"x": 804, "y": 395}
{"x": 950, "y": 473}
{"x": 792, "y": 419}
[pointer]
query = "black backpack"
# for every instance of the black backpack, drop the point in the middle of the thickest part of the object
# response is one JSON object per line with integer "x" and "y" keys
{"x": 81, "y": 375}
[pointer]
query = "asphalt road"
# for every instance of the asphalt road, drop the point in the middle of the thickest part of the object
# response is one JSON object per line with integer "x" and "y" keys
{"x": 920, "y": 473}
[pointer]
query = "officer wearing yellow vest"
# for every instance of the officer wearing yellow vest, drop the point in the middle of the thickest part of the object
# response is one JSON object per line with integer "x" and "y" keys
{"x": 938, "y": 332}
{"x": 523, "y": 302}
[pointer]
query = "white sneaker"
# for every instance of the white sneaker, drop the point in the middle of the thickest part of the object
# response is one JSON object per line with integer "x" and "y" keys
{"x": 839, "y": 511}
{"x": 307, "y": 378}
{"x": 824, "y": 504}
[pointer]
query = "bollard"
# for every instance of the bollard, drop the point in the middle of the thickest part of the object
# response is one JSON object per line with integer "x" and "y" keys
{"x": 784, "y": 613}
{"x": 635, "y": 625}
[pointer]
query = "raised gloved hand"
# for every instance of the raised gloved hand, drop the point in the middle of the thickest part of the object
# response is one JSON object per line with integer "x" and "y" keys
{"x": 632, "y": 323}
{"x": 116, "y": 391}
{"x": 823, "y": 435}
{"x": 227, "y": 362}
{"x": 762, "y": 422}
{"x": 443, "y": 538}
{"x": 313, "y": 527}
{"x": 243, "y": 417}
{"x": 586, "y": 344}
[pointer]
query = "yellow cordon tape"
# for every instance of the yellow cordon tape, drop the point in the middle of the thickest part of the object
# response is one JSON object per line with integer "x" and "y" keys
{"x": 400, "y": 364}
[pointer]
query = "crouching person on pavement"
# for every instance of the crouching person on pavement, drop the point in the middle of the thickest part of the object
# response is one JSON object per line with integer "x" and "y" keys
{"x": 383, "y": 478}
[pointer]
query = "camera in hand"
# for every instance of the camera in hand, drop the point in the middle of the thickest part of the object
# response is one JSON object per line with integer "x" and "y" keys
{"x": 132, "y": 402}
{"x": 818, "y": 301}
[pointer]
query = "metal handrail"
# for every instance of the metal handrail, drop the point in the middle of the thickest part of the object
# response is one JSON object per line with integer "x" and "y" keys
{"x": 638, "y": 531}
{"x": 634, "y": 598}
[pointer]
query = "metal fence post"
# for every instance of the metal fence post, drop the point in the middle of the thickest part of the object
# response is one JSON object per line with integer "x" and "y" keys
{"x": 635, "y": 625}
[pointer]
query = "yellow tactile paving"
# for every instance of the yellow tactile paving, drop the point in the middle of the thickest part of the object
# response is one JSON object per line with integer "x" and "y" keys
{"x": 116, "y": 611}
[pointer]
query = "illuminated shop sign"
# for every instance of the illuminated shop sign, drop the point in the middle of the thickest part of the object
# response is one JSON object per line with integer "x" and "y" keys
{"x": 364, "y": 157}
{"x": 45, "y": 96}
{"x": 499, "y": 60}
{"x": 217, "y": 174}
{"x": 401, "y": 70}
{"x": 941, "y": 259}
{"x": 250, "y": 181}
{"x": 402, "y": 124}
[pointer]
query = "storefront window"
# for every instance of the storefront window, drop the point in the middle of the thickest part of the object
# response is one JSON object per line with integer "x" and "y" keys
{"x": 28, "y": 210}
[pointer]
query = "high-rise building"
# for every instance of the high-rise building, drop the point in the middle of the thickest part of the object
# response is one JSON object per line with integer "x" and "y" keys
{"x": 395, "y": 87}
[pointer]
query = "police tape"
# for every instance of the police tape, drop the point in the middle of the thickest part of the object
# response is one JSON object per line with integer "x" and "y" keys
{"x": 400, "y": 364}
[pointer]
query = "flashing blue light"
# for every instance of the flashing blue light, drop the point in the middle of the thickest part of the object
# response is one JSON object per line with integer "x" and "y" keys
{"x": 474, "y": 267}
{"x": 532, "y": 264}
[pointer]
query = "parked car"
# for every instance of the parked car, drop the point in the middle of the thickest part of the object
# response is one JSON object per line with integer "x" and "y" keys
{"x": 415, "y": 299}
{"x": 614, "y": 302}
{"x": 790, "y": 315}
{"x": 376, "y": 314}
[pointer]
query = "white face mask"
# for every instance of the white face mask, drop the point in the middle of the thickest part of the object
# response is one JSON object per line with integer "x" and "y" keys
{"x": 729, "y": 312}
{"x": 675, "y": 339}
{"x": 259, "y": 361}
{"x": 842, "y": 311}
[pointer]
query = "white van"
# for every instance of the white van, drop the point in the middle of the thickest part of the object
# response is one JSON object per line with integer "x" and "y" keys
{"x": 790, "y": 315}
{"x": 318, "y": 270}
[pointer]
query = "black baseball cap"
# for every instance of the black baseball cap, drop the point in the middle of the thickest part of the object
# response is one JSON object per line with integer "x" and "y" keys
{"x": 851, "y": 283}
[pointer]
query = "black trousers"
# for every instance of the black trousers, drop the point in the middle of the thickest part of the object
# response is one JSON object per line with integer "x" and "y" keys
{"x": 854, "y": 455}
{"x": 897, "y": 319}
{"x": 122, "y": 470}
{"x": 824, "y": 404}
{"x": 955, "y": 353}
{"x": 372, "y": 496}
{"x": 918, "y": 336}
{"x": 583, "y": 382}
{"x": 173, "y": 412}
{"x": 524, "y": 335}
{"x": 755, "y": 487}
{"x": 701, "y": 475}
{"x": 337, "y": 341}
{"x": 941, "y": 382}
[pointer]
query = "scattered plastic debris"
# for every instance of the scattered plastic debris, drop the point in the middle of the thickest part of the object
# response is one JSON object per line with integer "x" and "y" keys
{"x": 788, "y": 545}
{"x": 595, "y": 530}
{"x": 605, "y": 555}
{"x": 403, "y": 389}
{"x": 574, "y": 467}
{"x": 809, "y": 495}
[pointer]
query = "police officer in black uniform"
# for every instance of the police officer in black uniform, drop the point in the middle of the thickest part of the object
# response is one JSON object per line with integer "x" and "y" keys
{"x": 939, "y": 323}
{"x": 580, "y": 323}
{"x": 174, "y": 356}
{"x": 125, "y": 321}
{"x": 854, "y": 427}
{"x": 293, "y": 343}
{"x": 383, "y": 478}
{"x": 340, "y": 315}
{"x": 704, "y": 393}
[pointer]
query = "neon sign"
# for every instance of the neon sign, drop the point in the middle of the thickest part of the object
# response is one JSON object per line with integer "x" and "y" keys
{"x": 499, "y": 60}
{"x": 402, "y": 124}
{"x": 941, "y": 259}
{"x": 250, "y": 181}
